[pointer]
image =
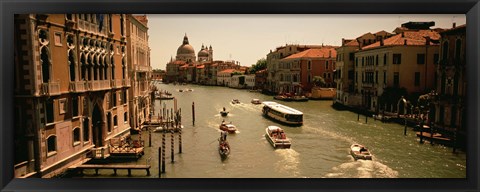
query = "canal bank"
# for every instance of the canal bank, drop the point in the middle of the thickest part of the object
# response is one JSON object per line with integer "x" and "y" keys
{"x": 320, "y": 147}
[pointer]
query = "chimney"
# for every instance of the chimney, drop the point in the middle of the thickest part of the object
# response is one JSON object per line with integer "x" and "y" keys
{"x": 330, "y": 53}
{"x": 381, "y": 42}
{"x": 343, "y": 41}
{"x": 405, "y": 42}
{"x": 403, "y": 34}
{"x": 427, "y": 40}
{"x": 454, "y": 25}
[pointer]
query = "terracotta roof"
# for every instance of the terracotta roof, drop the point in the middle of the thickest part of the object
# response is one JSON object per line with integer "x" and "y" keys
{"x": 229, "y": 71}
{"x": 184, "y": 66}
{"x": 214, "y": 65}
{"x": 352, "y": 43}
{"x": 200, "y": 66}
{"x": 412, "y": 38}
{"x": 314, "y": 53}
{"x": 178, "y": 62}
{"x": 382, "y": 31}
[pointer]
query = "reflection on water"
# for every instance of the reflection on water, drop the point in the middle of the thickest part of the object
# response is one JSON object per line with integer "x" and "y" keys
{"x": 320, "y": 147}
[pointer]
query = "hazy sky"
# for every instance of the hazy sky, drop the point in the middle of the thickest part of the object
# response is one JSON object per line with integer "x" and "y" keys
{"x": 247, "y": 38}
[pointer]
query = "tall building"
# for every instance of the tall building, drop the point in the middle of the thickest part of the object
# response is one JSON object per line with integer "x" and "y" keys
{"x": 449, "y": 111}
{"x": 345, "y": 70}
{"x": 139, "y": 68}
{"x": 71, "y": 86}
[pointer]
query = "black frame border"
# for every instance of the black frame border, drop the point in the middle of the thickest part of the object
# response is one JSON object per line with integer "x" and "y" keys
{"x": 10, "y": 7}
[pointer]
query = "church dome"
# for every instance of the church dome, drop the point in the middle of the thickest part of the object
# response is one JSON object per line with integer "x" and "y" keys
{"x": 203, "y": 53}
{"x": 185, "y": 48}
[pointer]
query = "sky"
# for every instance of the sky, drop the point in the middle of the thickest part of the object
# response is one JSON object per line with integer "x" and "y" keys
{"x": 248, "y": 38}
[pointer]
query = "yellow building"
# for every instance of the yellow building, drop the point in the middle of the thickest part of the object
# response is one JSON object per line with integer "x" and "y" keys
{"x": 405, "y": 60}
{"x": 345, "y": 69}
{"x": 70, "y": 89}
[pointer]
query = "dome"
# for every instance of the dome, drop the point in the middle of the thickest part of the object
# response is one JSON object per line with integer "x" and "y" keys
{"x": 203, "y": 53}
{"x": 185, "y": 49}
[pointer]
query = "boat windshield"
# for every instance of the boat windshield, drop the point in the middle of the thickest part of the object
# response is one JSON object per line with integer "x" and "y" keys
{"x": 294, "y": 118}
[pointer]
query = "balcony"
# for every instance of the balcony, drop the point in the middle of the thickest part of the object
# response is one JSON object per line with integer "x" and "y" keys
{"x": 126, "y": 82}
{"x": 52, "y": 88}
{"x": 100, "y": 152}
{"x": 77, "y": 86}
{"x": 101, "y": 85}
{"x": 142, "y": 68}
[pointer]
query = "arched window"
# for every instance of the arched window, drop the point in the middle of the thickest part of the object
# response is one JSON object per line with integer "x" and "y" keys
{"x": 458, "y": 49}
{"x": 76, "y": 135}
{"x": 105, "y": 65}
{"x": 109, "y": 122}
{"x": 95, "y": 68}
{"x": 115, "y": 121}
{"x": 100, "y": 67}
{"x": 71, "y": 62}
{"x": 445, "y": 52}
{"x": 51, "y": 144}
{"x": 86, "y": 130}
{"x": 45, "y": 65}
{"x": 89, "y": 67}
{"x": 113, "y": 68}
{"x": 123, "y": 68}
{"x": 83, "y": 64}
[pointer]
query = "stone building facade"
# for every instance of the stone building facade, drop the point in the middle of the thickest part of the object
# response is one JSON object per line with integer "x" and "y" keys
{"x": 71, "y": 86}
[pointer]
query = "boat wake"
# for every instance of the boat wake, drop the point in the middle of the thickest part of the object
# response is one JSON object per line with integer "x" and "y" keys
{"x": 289, "y": 163}
{"x": 362, "y": 169}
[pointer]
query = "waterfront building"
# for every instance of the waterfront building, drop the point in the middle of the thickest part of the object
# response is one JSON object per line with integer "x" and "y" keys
{"x": 261, "y": 79}
{"x": 70, "y": 89}
{"x": 298, "y": 70}
{"x": 345, "y": 70}
{"x": 158, "y": 74}
{"x": 449, "y": 113}
{"x": 139, "y": 68}
{"x": 273, "y": 59}
{"x": 404, "y": 61}
{"x": 242, "y": 81}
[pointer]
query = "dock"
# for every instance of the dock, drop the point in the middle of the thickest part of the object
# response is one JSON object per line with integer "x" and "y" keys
{"x": 114, "y": 167}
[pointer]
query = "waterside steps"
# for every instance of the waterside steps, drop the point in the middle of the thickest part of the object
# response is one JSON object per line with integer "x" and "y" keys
{"x": 114, "y": 167}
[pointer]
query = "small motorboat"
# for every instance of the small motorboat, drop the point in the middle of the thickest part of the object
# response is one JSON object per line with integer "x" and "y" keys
{"x": 360, "y": 152}
{"x": 276, "y": 136}
{"x": 235, "y": 101}
{"x": 299, "y": 98}
{"x": 223, "y": 146}
{"x": 229, "y": 128}
{"x": 256, "y": 101}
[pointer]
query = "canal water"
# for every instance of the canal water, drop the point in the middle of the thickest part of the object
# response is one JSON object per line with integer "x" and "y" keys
{"x": 320, "y": 147}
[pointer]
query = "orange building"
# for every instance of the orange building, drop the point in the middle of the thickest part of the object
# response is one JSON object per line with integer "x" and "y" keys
{"x": 70, "y": 89}
{"x": 298, "y": 70}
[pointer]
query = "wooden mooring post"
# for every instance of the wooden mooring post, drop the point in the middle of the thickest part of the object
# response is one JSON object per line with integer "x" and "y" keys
{"x": 149, "y": 137}
{"x": 180, "y": 138}
{"x": 159, "y": 161}
{"x": 193, "y": 112}
{"x": 405, "y": 129}
{"x": 172, "y": 145}
{"x": 366, "y": 118}
{"x": 163, "y": 152}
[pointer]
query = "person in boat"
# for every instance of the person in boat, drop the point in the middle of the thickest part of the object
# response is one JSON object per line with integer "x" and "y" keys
{"x": 223, "y": 108}
{"x": 223, "y": 122}
{"x": 224, "y": 136}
